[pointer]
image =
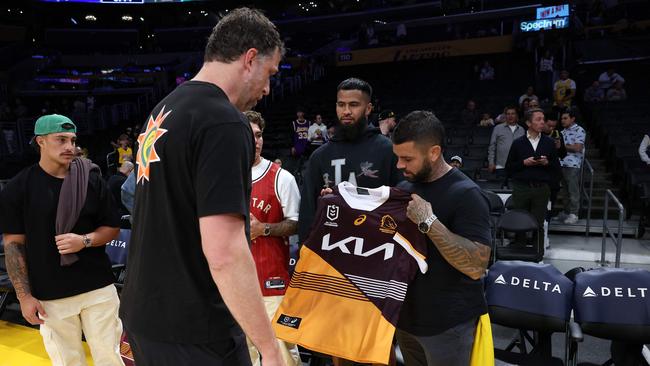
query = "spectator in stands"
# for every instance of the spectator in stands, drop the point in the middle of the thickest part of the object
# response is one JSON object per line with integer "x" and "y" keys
{"x": 574, "y": 139}
{"x": 469, "y": 116}
{"x": 487, "y": 71}
{"x": 300, "y": 134}
{"x": 545, "y": 75}
{"x": 502, "y": 137}
{"x": 317, "y": 133}
{"x": 533, "y": 164}
{"x": 278, "y": 161}
{"x": 47, "y": 108}
{"x": 644, "y": 149}
{"x": 456, "y": 161}
{"x": 387, "y": 122}
{"x": 486, "y": 120}
{"x": 115, "y": 183}
{"x": 523, "y": 108}
{"x": 609, "y": 78}
{"x": 529, "y": 94}
{"x": 191, "y": 286}
{"x": 78, "y": 106}
{"x": 550, "y": 130}
{"x": 331, "y": 131}
{"x": 594, "y": 93}
{"x": 271, "y": 224}
{"x": 564, "y": 90}
{"x": 124, "y": 152}
{"x": 54, "y": 249}
{"x": 616, "y": 93}
{"x": 20, "y": 111}
{"x": 90, "y": 103}
{"x": 400, "y": 33}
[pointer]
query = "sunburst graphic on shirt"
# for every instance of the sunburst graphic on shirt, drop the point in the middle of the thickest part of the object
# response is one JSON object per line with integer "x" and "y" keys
{"x": 147, "y": 153}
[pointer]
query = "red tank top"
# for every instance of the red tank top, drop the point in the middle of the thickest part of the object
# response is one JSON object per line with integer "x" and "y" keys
{"x": 271, "y": 253}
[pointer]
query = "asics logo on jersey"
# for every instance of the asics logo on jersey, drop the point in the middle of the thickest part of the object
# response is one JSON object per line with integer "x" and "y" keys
{"x": 342, "y": 245}
{"x": 360, "y": 220}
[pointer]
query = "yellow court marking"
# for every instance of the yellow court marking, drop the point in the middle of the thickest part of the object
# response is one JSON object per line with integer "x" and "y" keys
{"x": 23, "y": 346}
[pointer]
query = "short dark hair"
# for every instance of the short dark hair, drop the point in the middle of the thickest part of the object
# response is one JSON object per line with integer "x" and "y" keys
{"x": 356, "y": 84}
{"x": 531, "y": 112}
{"x": 256, "y": 118}
{"x": 551, "y": 115}
{"x": 421, "y": 127}
{"x": 570, "y": 111}
{"x": 240, "y": 30}
{"x": 510, "y": 106}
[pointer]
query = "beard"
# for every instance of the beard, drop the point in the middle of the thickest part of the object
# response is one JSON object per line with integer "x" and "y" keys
{"x": 421, "y": 176}
{"x": 352, "y": 132}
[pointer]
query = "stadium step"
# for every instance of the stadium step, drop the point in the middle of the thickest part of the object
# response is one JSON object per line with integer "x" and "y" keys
{"x": 630, "y": 228}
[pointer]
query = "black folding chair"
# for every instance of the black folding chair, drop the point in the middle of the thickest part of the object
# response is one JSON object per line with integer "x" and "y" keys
{"x": 519, "y": 222}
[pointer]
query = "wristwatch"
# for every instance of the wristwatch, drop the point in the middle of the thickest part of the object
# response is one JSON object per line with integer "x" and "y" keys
{"x": 425, "y": 226}
{"x": 87, "y": 241}
{"x": 267, "y": 230}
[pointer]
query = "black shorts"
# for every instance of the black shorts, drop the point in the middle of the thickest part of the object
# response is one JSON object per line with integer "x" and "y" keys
{"x": 232, "y": 352}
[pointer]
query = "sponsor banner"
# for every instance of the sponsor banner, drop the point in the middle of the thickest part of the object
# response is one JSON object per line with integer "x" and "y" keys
{"x": 613, "y": 296}
{"x": 531, "y": 287}
{"x": 425, "y": 51}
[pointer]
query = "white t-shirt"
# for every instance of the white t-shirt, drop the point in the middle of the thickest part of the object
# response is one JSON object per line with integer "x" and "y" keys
{"x": 312, "y": 131}
{"x": 286, "y": 189}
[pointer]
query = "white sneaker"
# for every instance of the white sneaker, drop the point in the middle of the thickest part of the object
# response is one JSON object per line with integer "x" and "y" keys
{"x": 571, "y": 219}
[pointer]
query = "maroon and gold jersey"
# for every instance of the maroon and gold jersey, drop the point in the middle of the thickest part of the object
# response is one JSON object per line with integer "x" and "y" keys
{"x": 351, "y": 279}
{"x": 271, "y": 253}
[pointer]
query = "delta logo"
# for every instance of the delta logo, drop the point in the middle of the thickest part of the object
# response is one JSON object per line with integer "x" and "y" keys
{"x": 529, "y": 284}
{"x": 628, "y": 292}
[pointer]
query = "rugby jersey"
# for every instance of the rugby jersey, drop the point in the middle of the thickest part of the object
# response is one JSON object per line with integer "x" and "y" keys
{"x": 353, "y": 273}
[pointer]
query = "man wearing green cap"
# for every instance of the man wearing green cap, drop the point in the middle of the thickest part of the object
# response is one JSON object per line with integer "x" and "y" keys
{"x": 56, "y": 217}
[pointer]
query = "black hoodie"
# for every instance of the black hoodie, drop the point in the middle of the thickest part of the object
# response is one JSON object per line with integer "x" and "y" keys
{"x": 366, "y": 162}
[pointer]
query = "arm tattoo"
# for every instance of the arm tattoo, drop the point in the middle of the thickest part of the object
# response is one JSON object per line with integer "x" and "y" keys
{"x": 284, "y": 228}
{"x": 466, "y": 256}
{"x": 17, "y": 268}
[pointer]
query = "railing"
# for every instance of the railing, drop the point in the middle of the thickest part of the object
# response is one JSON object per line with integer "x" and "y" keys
{"x": 617, "y": 240}
{"x": 587, "y": 194}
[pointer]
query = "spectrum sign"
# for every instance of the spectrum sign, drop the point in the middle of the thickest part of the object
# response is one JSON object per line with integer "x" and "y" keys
{"x": 548, "y": 17}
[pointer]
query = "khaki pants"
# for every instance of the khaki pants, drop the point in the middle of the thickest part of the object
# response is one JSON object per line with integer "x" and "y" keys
{"x": 94, "y": 313}
{"x": 289, "y": 351}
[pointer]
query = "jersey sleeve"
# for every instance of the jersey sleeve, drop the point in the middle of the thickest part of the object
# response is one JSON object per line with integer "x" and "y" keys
{"x": 223, "y": 164}
{"x": 11, "y": 208}
{"x": 289, "y": 195}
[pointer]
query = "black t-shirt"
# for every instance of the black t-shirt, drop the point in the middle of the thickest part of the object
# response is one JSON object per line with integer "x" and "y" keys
{"x": 196, "y": 163}
{"x": 28, "y": 206}
{"x": 444, "y": 297}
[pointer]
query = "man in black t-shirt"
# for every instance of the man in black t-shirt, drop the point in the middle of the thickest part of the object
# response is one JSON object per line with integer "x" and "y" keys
{"x": 440, "y": 313}
{"x": 191, "y": 280}
{"x": 44, "y": 214}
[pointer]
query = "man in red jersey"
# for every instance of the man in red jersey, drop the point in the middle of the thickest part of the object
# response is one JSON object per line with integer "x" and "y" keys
{"x": 275, "y": 200}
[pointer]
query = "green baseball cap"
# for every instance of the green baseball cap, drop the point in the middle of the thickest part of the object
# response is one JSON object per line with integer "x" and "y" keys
{"x": 54, "y": 123}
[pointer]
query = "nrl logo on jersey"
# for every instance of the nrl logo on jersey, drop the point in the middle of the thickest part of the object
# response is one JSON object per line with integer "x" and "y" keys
{"x": 528, "y": 283}
{"x": 332, "y": 214}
